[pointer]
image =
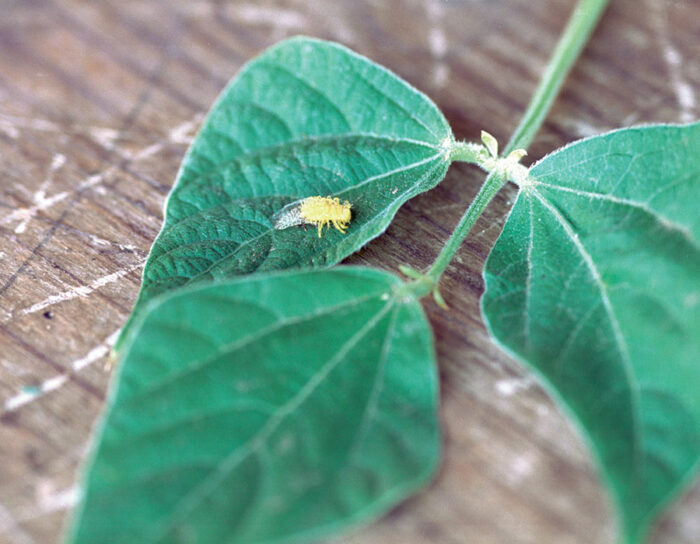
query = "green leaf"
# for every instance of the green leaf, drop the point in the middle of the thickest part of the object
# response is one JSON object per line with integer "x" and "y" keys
{"x": 306, "y": 118}
{"x": 267, "y": 408}
{"x": 595, "y": 282}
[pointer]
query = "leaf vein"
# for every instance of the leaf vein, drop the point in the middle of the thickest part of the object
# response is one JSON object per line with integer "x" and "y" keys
{"x": 243, "y": 342}
{"x": 195, "y": 496}
{"x": 642, "y": 206}
{"x": 619, "y": 337}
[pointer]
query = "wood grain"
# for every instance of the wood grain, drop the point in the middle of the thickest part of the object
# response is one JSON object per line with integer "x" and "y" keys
{"x": 98, "y": 101}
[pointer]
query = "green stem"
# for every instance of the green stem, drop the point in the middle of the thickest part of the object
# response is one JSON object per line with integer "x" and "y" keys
{"x": 571, "y": 43}
{"x": 494, "y": 182}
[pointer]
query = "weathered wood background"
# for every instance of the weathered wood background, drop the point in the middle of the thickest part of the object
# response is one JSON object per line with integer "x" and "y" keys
{"x": 98, "y": 101}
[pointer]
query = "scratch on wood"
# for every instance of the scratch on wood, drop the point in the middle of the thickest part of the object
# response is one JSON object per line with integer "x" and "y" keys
{"x": 581, "y": 127}
{"x": 674, "y": 61}
{"x": 184, "y": 133}
{"x": 29, "y": 395}
{"x": 11, "y": 130}
{"x": 39, "y": 198}
{"x": 284, "y": 19}
{"x": 520, "y": 468}
{"x": 11, "y": 529}
{"x": 23, "y": 214}
{"x": 81, "y": 290}
{"x": 510, "y": 386}
{"x": 11, "y": 124}
{"x": 48, "y": 500}
{"x": 437, "y": 42}
{"x": 60, "y": 500}
{"x": 101, "y": 242}
{"x": 95, "y": 354}
{"x": 104, "y": 136}
{"x": 181, "y": 134}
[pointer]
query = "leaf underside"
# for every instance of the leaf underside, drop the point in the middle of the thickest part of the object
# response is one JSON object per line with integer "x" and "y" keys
{"x": 595, "y": 282}
{"x": 302, "y": 403}
{"x": 306, "y": 118}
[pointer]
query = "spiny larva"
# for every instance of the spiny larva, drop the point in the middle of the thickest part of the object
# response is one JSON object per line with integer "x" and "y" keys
{"x": 315, "y": 210}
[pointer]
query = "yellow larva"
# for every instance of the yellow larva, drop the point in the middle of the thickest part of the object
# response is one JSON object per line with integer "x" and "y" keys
{"x": 315, "y": 210}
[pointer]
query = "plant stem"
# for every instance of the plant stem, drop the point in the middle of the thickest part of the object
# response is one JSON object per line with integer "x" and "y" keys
{"x": 494, "y": 182}
{"x": 571, "y": 43}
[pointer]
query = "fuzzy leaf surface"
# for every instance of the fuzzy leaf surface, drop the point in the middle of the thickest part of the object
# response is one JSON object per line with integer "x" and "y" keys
{"x": 306, "y": 118}
{"x": 267, "y": 408}
{"x": 595, "y": 283}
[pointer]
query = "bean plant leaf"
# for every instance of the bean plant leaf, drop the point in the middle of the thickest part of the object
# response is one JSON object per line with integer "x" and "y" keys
{"x": 306, "y": 118}
{"x": 595, "y": 283}
{"x": 266, "y": 408}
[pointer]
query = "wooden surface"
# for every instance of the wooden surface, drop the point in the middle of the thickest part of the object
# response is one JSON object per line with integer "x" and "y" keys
{"x": 98, "y": 101}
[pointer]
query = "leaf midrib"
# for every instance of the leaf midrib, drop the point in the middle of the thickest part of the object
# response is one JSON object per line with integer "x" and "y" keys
{"x": 614, "y": 323}
{"x": 283, "y": 149}
{"x": 170, "y": 224}
{"x": 362, "y": 228}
